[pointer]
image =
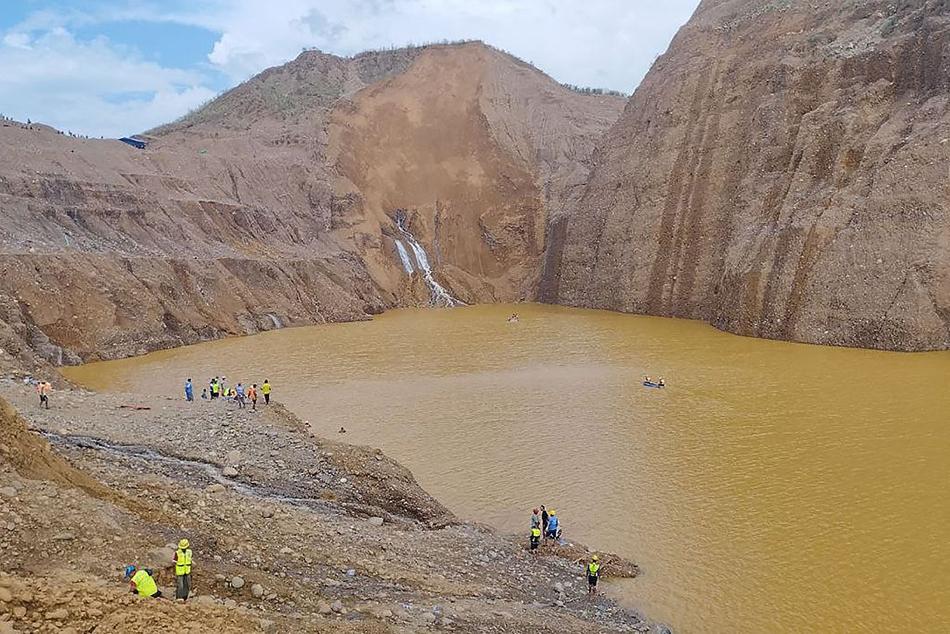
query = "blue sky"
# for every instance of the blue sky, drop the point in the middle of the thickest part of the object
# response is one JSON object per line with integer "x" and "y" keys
{"x": 114, "y": 67}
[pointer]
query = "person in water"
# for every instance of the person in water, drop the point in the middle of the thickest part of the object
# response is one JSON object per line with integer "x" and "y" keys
{"x": 661, "y": 382}
{"x": 513, "y": 318}
{"x": 647, "y": 379}
{"x": 189, "y": 391}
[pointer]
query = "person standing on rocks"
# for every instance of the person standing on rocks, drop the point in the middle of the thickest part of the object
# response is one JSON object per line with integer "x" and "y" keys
{"x": 593, "y": 574}
{"x": 215, "y": 388}
{"x": 252, "y": 396}
{"x": 141, "y": 582}
{"x": 182, "y": 570}
{"x": 239, "y": 395}
{"x": 189, "y": 391}
{"x": 544, "y": 518}
{"x": 535, "y": 519}
{"x": 552, "y": 528}
{"x": 535, "y": 537}
{"x": 43, "y": 388}
{"x": 265, "y": 390}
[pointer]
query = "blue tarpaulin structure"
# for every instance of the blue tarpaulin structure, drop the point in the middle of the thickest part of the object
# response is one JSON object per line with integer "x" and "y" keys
{"x": 133, "y": 142}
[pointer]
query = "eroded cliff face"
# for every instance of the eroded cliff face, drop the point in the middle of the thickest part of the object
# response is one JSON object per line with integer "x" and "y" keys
{"x": 274, "y": 205}
{"x": 784, "y": 172}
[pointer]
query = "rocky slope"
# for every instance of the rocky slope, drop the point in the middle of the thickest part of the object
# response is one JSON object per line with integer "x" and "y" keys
{"x": 274, "y": 204}
{"x": 291, "y": 533}
{"x": 783, "y": 172}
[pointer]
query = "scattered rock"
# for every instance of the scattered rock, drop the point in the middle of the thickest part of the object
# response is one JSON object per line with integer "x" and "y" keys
{"x": 5, "y": 595}
{"x": 237, "y": 582}
{"x": 257, "y": 590}
{"x": 217, "y": 487}
{"x": 229, "y": 472}
{"x": 233, "y": 457}
{"x": 375, "y": 521}
{"x": 8, "y": 492}
{"x": 57, "y": 615}
{"x": 324, "y": 608}
{"x": 337, "y": 606}
{"x": 267, "y": 513}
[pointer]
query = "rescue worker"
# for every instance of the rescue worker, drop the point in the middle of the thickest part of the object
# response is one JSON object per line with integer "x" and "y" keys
{"x": 552, "y": 525}
{"x": 265, "y": 390}
{"x": 593, "y": 574}
{"x": 252, "y": 395}
{"x": 182, "y": 570}
{"x": 43, "y": 388}
{"x": 544, "y": 518}
{"x": 535, "y": 537}
{"x": 189, "y": 391}
{"x": 141, "y": 582}
{"x": 215, "y": 388}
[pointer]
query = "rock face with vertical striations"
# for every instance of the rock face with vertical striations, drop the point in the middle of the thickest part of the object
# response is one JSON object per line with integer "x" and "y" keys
{"x": 783, "y": 172}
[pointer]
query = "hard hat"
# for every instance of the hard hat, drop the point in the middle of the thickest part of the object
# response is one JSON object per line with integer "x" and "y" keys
{"x": 129, "y": 571}
{"x": 183, "y": 543}
{"x": 552, "y": 512}
{"x": 595, "y": 557}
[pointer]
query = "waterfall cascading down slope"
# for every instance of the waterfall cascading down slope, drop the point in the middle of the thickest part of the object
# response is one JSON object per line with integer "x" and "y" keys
{"x": 438, "y": 295}
{"x": 404, "y": 257}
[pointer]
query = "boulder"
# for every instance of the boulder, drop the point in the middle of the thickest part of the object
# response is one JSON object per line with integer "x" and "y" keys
{"x": 229, "y": 472}
{"x": 237, "y": 582}
{"x": 257, "y": 590}
{"x": 375, "y": 521}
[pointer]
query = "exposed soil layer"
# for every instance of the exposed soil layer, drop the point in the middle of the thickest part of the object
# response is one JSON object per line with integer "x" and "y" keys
{"x": 274, "y": 204}
{"x": 784, "y": 172}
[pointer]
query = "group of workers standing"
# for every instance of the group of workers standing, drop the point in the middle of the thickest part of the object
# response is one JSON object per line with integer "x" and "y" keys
{"x": 142, "y": 580}
{"x": 545, "y": 523}
{"x": 217, "y": 388}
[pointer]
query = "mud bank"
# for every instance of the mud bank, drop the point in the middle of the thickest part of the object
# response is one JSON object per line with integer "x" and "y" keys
{"x": 290, "y": 531}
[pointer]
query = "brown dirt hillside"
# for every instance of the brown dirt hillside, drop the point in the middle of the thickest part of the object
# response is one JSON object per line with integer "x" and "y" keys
{"x": 784, "y": 172}
{"x": 273, "y": 205}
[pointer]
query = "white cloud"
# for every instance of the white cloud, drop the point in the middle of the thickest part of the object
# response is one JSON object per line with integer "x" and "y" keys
{"x": 91, "y": 87}
{"x": 97, "y": 87}
{"x": 606, "y": 43}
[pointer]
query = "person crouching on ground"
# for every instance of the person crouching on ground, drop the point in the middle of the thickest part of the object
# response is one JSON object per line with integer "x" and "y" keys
{"x": 182, "y": 570}
{"x": 593, "y": 574}
{"x": 141, "y": 582}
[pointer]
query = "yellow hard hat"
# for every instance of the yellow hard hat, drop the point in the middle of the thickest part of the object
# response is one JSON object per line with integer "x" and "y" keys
{"x": 183, "y": 543}
{"x": 595, "y": 557}
{"x": 552, "y": 512}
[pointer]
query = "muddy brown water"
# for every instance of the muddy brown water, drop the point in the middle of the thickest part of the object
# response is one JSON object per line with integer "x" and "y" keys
{"x": 771, "y": 487}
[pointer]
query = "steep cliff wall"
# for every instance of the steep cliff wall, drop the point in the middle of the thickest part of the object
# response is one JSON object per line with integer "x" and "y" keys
{"x": 784, "y": 172}
{"x": 273, "y": 205}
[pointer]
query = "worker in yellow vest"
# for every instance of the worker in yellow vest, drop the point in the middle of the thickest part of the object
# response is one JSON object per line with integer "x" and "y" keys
{"x": 593, "y": 574}
{"x": 265, "y": 390}
{"x": 535, "y": 537}
{"x": 141, "y": 582}
{"x": 182, "y": 570}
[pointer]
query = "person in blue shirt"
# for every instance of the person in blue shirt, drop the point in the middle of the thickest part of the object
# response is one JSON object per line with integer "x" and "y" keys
{"x": 189, "y": 391}
{"x": 552, "y": 528}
